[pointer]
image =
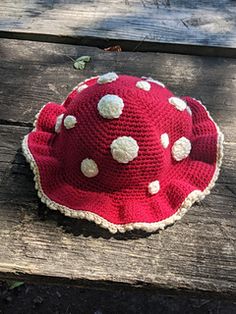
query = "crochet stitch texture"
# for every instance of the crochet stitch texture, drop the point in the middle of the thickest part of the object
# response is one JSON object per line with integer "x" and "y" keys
{"x": 142, "y": 168}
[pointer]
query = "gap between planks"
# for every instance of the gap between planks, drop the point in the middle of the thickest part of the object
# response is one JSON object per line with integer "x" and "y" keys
{"x": 199, "y": 27}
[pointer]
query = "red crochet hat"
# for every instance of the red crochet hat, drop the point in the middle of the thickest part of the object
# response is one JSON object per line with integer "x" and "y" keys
{"x": 124, "y": 152}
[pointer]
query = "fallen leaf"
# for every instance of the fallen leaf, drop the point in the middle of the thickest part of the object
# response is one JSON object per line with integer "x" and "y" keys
{"x": 79, "y": 65}
{"x": 83, "y": 58}
{"x": 14, "y": 284}
{"x": 80, "y": 62}
{"x": 113, "y": 48}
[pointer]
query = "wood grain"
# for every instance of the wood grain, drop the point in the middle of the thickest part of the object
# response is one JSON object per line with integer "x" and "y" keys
{"x": 35, "y": 73}
{"x": 196, "y": 255}
{"x": 201, "y": 26}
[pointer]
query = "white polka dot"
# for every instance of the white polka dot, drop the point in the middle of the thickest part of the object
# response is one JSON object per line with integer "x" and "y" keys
{"x": 143, "y": 85}
{"x": 58, "y": 123}
{"x": 70, "y": 122}
{"x": 124, "y": 149}
{"x": 189, "y": 110}
{"x": 110, "y": 106}
{"x": 107, "y": 78}
{"x": 181, "y": 148}
{"x": 165, "y": 140}
{"x": 178, "y": 103}
{"x": 89, "y": 168}
{"x": 154, "y": 187}
{"x": 82, "y": 87}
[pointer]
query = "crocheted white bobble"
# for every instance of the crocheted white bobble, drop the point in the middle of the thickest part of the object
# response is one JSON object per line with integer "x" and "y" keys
{"x": 165, "y": 140}
{"x": 110, "y": 106}
{"x": 70, "y": 122}
{"x": 107, "y": 78}
{"x": 89, "y": 168}
{"x": 58, "y": 123}
{"x": 154, "y": 187}
{"x": 143, "y": 85}
{"x": 124, "y": 149}
{"x": 178, "y": 103}
{"x": 82, "y": 87}
{"x": 181, "y": 148}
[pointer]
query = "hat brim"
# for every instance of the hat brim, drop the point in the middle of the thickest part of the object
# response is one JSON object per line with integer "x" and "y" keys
{"x": 191, "y": 180}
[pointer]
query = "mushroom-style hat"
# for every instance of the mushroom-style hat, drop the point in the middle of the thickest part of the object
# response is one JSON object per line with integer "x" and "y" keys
{"x": 124, "y": 152}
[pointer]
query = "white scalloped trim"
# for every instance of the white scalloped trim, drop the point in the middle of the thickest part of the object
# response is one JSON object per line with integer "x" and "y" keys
{"x": 83, "y": 83}
{"x": 38, "y": 114}
{"x": 150, "y": 79}
{"x": 81, "y": 87}
{"x": 193, "y": 197}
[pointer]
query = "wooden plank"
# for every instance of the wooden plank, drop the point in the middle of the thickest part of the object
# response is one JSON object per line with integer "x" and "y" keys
{"x": 196, "y": 255}
{"x": 197, "y": 27}
{"x": 35, "y": 73}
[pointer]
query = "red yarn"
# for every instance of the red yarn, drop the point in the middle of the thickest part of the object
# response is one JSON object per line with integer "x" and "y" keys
{"x": 119, "y": 192}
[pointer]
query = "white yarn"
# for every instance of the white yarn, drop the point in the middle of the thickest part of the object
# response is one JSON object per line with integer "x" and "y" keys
{"x": 181, "y": 148}
{"x": 107, "y": 78}
{"x": 189, "y": 110}
{"x": 89, "y": 168}
{"x": 178, "y": 103}
{"x": 70, "y": 122}
{"x": 165, "y": 140}
{"x": 124, "y": 149}
{"x": 82, "y": 87}
{"x": 149, "y": 79}
{"x": 58, "y": 123}
{"x": 154, "y": 187}
{"x": 143, "y": 85}
{"x": 198, "y": 101}
{"x": 110, "y": 106}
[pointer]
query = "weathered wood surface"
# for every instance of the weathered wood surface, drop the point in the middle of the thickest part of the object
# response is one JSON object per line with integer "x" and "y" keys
{"x": 35, "y": 73}
{"x": 197, "y": 254}
{"x": 179, "y": 25}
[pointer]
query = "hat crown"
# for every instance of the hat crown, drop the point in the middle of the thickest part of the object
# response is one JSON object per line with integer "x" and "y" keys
{"x": 129, "y": 146}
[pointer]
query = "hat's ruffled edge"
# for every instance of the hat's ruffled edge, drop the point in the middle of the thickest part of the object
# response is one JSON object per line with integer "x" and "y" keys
{"x": 71, "y": 93}
{"x": 193, "y": 197}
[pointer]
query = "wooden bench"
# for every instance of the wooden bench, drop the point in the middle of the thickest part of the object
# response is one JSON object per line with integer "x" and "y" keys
{"x": 197, "y": 254}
